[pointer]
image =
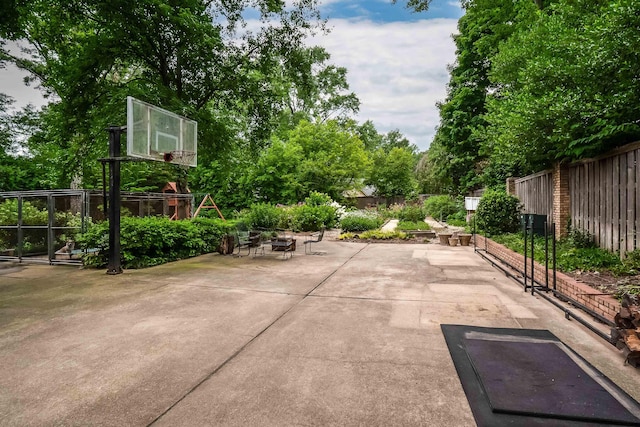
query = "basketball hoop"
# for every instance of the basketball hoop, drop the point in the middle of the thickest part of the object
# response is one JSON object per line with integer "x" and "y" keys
{"x": 183, "y": 158}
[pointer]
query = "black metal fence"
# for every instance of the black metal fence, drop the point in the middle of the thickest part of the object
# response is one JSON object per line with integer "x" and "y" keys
{"x": 41, "y": 226}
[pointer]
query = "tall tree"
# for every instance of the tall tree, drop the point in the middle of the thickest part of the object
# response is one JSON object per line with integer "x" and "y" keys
{"x": 193, "y": 57}
{"x": 392, "y": 172}
{"x": 568, "y": 85}
{"x": 456, "y": 149}
{"x": 319, "y": 157}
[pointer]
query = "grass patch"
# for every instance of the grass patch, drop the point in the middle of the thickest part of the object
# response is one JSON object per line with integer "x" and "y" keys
{"x": 413, "y": 225}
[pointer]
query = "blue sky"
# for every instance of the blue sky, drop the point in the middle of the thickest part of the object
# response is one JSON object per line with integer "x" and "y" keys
{"x": 396, "y": 61}
{"x": 385, "y": 11}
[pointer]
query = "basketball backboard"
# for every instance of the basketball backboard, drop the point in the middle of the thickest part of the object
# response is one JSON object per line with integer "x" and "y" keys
{"x": 156, "y": 134}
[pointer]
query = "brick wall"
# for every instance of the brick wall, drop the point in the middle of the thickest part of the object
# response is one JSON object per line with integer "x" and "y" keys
{"x": 604, "y": 305}
{"x": 561, "y": 199}
{"x": 511, "y": 186}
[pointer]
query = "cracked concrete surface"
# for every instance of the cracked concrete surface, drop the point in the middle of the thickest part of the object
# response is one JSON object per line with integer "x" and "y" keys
{"x": 351, "y": 337}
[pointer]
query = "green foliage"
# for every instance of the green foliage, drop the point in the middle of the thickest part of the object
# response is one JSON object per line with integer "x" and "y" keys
{"x": 411, "y": 225}
{"x": 498, "y": 212}
{"x": 31, "y": 213}
{"x": 152, "y": 241}
{"x": 581, "y": 239}
{"x": 192, "y": 57}
{"x": 360, "y": 221}
{"x": 568, "y": 257}
{"x": 392, "y": 172}
{"x": 320, "y": 157}
{"x": 440, "y": 207}
{"x": 264, "y": 215}
{"x": 414, "y": 213}
{"x": 630, "y": 265}
{"x": 384, "y": 235}
{"x": 458, "y": 219}
{"x": 313, "y": 218}
{"x": 318, "y": 199}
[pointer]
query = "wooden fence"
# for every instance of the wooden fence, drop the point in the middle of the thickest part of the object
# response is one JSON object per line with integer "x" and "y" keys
{"x": 604, "y": 195}
{"x": 605, "y": 198}
{"x": 536, "y": 193}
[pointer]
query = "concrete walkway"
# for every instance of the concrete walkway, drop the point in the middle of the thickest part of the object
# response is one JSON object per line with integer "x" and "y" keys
{"x": 351, "y": 337}
{"x": 390, "y": 225}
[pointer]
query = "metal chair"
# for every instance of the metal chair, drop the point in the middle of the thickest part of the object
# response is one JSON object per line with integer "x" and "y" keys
{"x": 314, "y": 238}
{"x": 243, "y": 240}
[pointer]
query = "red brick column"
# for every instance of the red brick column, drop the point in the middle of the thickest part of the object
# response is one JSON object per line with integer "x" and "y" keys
{"x": 561, "y": 199}
{"x": 511, "y": 186}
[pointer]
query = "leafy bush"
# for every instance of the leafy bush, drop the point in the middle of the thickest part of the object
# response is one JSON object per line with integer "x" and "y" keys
{"x": 440, "y": 207}
{"x": 413, "y": 213}
{"x": 318, "y": 199}
{"x": 155, "y": 240}
{"x": 313, "y": 218}
{"x": 360, "y": 221}
{"x": 581, "y": 239}
{"x": 411, "y": 225}
{"x": 383, "y": 235}
{"x": 458, "y": 219}
{"x": 498, "y": 212}
{"x": 264, "y": 215}
{"x": 568, "y": 257}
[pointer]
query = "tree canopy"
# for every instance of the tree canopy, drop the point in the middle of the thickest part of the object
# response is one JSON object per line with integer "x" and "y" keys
{"x": 535, "y": 83}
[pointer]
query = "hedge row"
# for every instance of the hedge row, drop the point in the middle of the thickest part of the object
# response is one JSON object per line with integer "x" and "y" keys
{"x": 152, "y": 241}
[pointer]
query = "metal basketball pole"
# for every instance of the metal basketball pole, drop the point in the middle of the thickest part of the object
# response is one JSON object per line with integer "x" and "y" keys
{"x": 114, "y": 266}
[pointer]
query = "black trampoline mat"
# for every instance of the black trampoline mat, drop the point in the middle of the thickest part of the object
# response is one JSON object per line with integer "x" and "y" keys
{"x": 541, "y": 379}
{"x": 528, "y": 377}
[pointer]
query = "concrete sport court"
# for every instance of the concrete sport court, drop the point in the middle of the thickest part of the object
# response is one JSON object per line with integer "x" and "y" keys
{"x": 350, "y": 336}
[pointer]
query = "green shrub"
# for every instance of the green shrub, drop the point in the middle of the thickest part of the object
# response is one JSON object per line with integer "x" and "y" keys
{"x": 318, "y": 199}
{"x": 581, "y": 239}
{"x": 264, "y": 215}
{"x": 155, "y": 240}
{"x": 458, "y": 219}
{"x": 568, "y": 257}
{"x": 360, "y": 221}
{"x": 440, "y": 207}
{"x": 630, "y": 265}
{"x": 383, "y": 235}
{"x": 498, "y": 212}
{"x": 313, "y": 218}
{"x": 411, "y": 225}
{"x": 413, "y": 213}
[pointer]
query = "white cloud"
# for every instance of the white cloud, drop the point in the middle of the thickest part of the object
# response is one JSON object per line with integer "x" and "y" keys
{"x": 398, "y": 70}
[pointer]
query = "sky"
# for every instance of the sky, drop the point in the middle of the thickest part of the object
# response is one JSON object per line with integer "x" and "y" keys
{"x": 396, "y": 60}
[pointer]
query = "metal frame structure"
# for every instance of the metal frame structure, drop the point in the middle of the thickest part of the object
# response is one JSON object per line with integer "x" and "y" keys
{"x": 529, "y": 282}
{"x": 89, "y": 205}
{"x": 50, "y": 227}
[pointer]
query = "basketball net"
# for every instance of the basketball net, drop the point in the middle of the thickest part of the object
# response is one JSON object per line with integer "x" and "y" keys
{"x": 183, "y": 158}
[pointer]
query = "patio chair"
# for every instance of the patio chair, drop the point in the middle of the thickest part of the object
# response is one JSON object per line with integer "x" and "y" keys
{"x": 314, "y": 238}
{"x": 243, "y": 240}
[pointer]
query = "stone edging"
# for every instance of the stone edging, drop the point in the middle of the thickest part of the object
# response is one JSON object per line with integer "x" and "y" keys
{"x": 605, "y": 305}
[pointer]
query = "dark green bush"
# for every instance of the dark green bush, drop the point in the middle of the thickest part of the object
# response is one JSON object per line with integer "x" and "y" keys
{"x": 458, "y": 219}
{"x": 440, "y": 207}
{"x": 581, "y": 239}
{"x": 264, "y": 215}
{"x": 312, "y": 218}
{"x": 360, "y": 221}
{"x": 498, "y": 212}
{"x": 155, "y": 240}
{"x": 412, "y": 213}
